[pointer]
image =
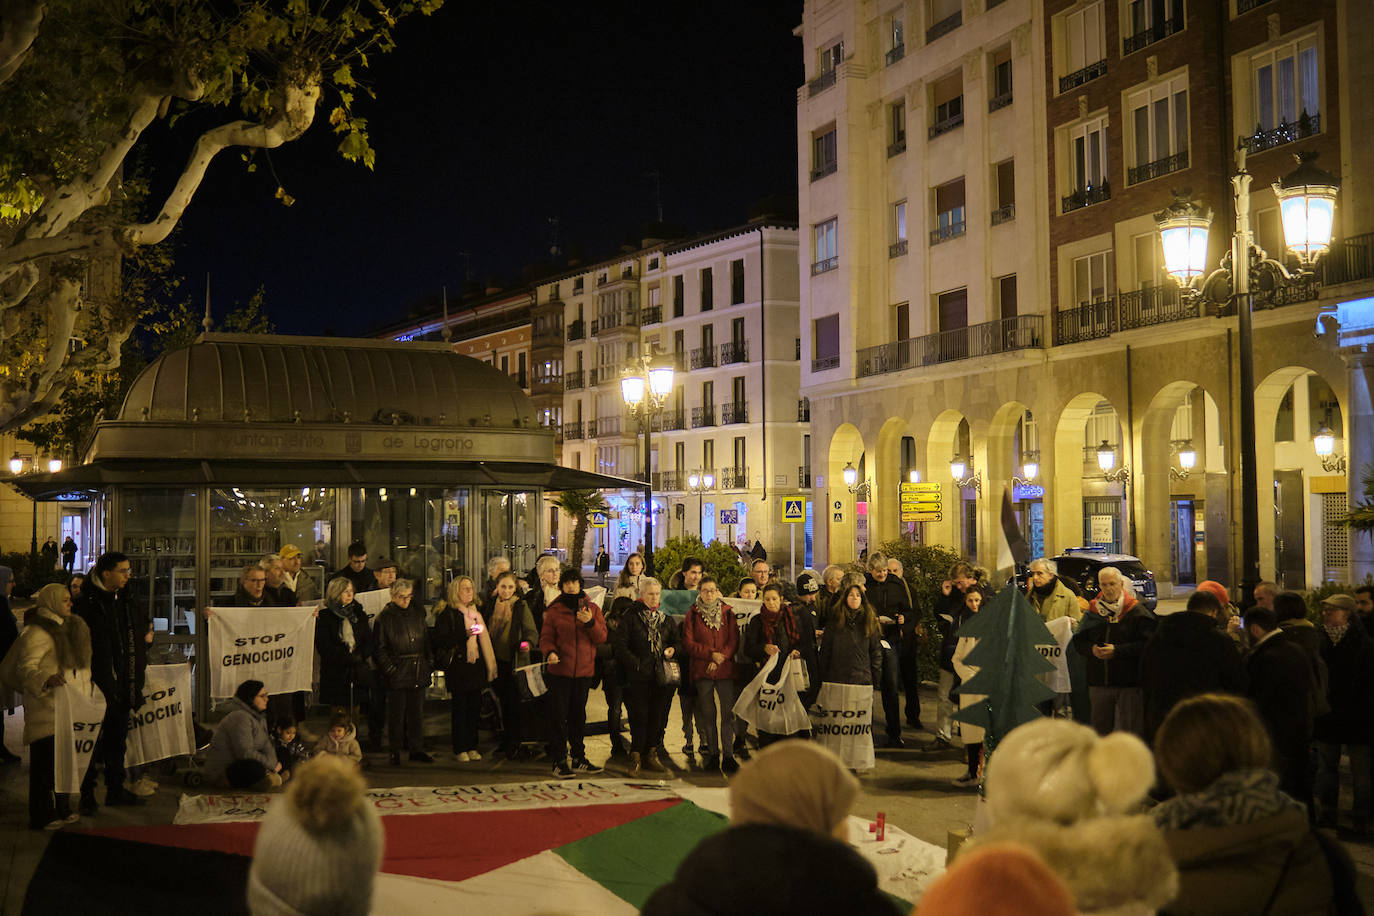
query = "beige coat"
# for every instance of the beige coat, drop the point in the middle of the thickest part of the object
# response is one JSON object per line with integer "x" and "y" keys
{"x": 1060, "y": 603}
{"x": 40, "y": 657}
{"x": 971, "y": 734}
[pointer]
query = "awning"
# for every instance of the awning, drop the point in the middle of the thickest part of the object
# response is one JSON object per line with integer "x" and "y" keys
{"x": 84, "y": 480}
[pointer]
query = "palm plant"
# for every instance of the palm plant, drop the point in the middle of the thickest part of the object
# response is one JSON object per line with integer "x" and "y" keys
{"x": 1361, "y": 515}
{"x": 579, "y": 505}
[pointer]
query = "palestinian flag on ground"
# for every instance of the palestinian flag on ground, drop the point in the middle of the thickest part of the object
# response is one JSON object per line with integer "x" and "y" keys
{"x": 602, "y": 848}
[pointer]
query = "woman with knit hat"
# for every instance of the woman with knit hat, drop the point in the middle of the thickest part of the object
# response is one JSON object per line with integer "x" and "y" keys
{"x": 786, "y": 851}
{"x": 319, "y": 847}
{"x": 1056, "y": 787}
{"x": 54, "y": 649}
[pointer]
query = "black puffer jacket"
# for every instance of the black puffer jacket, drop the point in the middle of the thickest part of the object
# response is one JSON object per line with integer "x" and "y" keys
{"x": 1350, "y": 666}
{"x": 119, "y": 655}
{"x": 1187, "y": 655}
{"x": 1128, "y": 634}
{"x": 763, "y": 870}
{"x": 341, "y": 666}
{"x": 630, "y": 643}
{"x": 890, "y": 598}
{"x": 404, "y": 656}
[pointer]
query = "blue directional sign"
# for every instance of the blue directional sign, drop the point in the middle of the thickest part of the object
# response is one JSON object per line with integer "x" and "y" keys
{"x": 729, "y": 516}
{"x": 794, "y": 509}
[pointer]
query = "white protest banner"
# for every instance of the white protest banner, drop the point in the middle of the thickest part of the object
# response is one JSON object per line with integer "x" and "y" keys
{"x": 373, "y": 601}
{"x": 221, "y": 809}
{"x": 161, "y": 727}
{"x": 1062, "y": 630}
{"x": 275, "y": 645}
{"x": 78, "y": 709}
{"x": 842, "y": 720}
{"x": 746, "y": 609}
{"x": 597, "y": 596}
{"x": 769, "y": 703}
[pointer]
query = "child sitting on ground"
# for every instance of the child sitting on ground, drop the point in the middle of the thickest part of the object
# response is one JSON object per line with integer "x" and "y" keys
{"x": 286, "y": 741}
{"x": 341, "y": 740}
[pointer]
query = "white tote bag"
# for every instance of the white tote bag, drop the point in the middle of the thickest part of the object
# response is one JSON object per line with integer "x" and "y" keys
{"x": 842, "y": 720}
{"x": 79, "y": 709}
{"x": 769, "y": 703}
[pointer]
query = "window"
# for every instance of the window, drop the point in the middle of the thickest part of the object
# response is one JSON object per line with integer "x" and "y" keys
{"x": 1092, "y": 278}
{"x": 577, "y": 285}
{"x": 1269, "y": 233}
{"x": 1287, "y": 94}
{"x": 737, "y": 281}
{"x": 949, "y": 212}
{"x": 678, "y": 296}
{"x": 896, "y": 119}
{"x": 653, "y": 263}
{"x": 708, "y": 454}
{"x": 521, "y": 370}
{"x": 1149, "y": 260}
{"x": 1006, "y": 296}
{"x": 896, "y": 36}
{"x": 825, "y": 342}
{"x": 1087, "y": 164}
{"x": 831, "y": 55}
{"x": 679, "y": 458}
{"x": 737, "y": 332}
{"x": 1085, "y": 47}
{"x": 945, "y": 17}
{"x": 741, "y": 456}
{"x": 898, "y": 246}
{"x": 1001, "y": 80}
{"x": 1158, "y": 138}
{"x": 1149, "y": 21}
{"x": 824, "y": 158}
{"x": 708, "y": 292}
{"x": 505, "y": 365}
{"x": 952, "y": 310}
{"x": 1004, "y": 178}
{"x": 902, "y": 315}
{"x": 824, "y": 242}
{"x": 679, "y": 348}
{"x": 708, "y": 337}
{"x": 948, "y": 99}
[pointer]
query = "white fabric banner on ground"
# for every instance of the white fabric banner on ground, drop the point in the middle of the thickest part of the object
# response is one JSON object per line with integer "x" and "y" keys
{"x": 529, "y": 885}
{"x": 275, "y": 645}
{"x": 1061, "y": 628}
{"x": 373, "y": 601}
{"x": 79, "y": 709}
{"x": 842, "y": 720}
{"x": 554, "y": 793}
{"x": 161, "y": 728}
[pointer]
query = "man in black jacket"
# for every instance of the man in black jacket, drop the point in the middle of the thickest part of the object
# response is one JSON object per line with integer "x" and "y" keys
{"x": 1349, "y": 653}
{"x": 892, "y": 603}
{"x": 1110, "y": 638}
{"x": 119, "y": 657}
{"x": 356, "y": 571}
{"x": 1188, "y": 654}
{"x": 1280, "y": 681}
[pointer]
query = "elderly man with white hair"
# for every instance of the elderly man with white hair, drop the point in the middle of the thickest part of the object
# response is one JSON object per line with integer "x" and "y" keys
{"x": 1111, "y": 638}
{"x": 1048, "y": 593}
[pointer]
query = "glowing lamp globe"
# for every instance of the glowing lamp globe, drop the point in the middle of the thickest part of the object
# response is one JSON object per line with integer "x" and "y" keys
{"x": 1307, "y": 208}
{"x": 1183, "y": 231}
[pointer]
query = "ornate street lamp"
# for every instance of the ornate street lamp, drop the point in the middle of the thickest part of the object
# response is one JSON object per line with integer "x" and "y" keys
{"x": 1324, "y": 444}
{"x": 851, "y": 480}
{"x": 645, "y": 388}
{"x": 957, "y": 466}
{"x": 1106, "y": 463}
{"x": 699, "y": 482}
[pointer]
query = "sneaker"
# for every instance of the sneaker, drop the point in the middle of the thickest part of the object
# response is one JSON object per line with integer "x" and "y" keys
{"x": 473, "y": 755}
{"x": 584, "y": 767}
{"x": 71, "y": 818}
{"x": 635, "y": 765}
{"x": 939, "y": 744}
{"x": 561, "y": 770}
{"x": 894, "y": 742}
{"x": 653, "y": 762}
{"x": 463, "y": 756}
{"x": 56, "y": 824}
{"x": 967, "y": 781}
{"x": 123, "y": 797}
{"x": 144, "y": 787}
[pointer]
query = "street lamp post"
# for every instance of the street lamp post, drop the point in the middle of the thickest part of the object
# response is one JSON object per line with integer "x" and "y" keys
{"x": 645, "y": 386}
{"x": 1307, "y": 203}
{"x": 699, "y": 482}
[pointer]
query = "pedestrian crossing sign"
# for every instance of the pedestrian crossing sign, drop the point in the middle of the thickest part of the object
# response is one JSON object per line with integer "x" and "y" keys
{"x": 794, "y": 509}
{"x": 598, "y": 520}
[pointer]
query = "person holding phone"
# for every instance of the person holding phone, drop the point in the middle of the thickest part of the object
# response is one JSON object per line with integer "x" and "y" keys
{"x": 462, "y": 648}
{"x": 513, "y": 635}
{"x": 573, "y": 628}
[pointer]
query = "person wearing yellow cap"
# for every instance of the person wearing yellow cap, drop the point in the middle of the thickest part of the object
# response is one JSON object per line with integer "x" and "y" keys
{"x": 303, "y": 586}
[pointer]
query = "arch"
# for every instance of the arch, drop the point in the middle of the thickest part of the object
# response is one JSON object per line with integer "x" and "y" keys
{"x": 1064, "y": 528}
{"x": 885, "y": 472}
{"x": 944, "y": 429}
{"x": 846, "y": 447}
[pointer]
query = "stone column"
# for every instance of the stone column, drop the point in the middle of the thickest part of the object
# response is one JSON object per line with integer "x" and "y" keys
{"x": 1359, "y": 444}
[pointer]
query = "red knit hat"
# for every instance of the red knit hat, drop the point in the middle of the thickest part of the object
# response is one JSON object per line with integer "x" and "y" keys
{"x": 1001, "y": 879}
{"x": 1216, "y": 588}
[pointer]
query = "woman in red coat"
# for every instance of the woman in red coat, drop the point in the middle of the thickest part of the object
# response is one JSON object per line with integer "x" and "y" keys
{"x": 711, "y": 636}
{"x": 573, "y": 628}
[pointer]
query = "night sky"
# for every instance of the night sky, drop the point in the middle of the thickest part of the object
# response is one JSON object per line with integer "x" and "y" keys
{"x": 490, "y": 119}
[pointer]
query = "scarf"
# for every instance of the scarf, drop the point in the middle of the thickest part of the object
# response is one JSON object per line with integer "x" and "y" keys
{"x": 711, "y": 613}
{"x": 1336, "y": 634}
{"x": 653, "y": 622}
{"x": 1112, "y": 612}
{"x": 1044, "y": 591}
{"x": 500, "y": 616}
{"x": 770, "y": 622}
{"x": 1238, "y": 797}
{"x": 345, "y": 615}
{"x": 473, "y": 619}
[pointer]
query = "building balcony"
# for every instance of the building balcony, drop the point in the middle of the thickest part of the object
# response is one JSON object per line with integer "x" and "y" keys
{"x": 945, "y": 125}
{"x": 679, "y": 360}
{"x": 734, "y": 413}
{"x": 1143, "y": 308}
{"x": 704, "y": 358}
{"x": 1148, "y": 36}
{"x": 804, "y": 410}
{"x": 999, "y": 101}
{"x": 803, "y": 477}
{"x": 896, "y": 147}
{"x": 651, "y": 315}
{"x": 737, "y": 351}
{"x": 1085, "y": 321}
{"x": 1086, "y": 197}
{"x": 1023, "y": 332}
{"x": 573, "y": 380}
{"x": 1305, "y": 126}
{"x": 734, "y": 478}
{"x": 1175, "y": 163}
{"x": 825, "y": 168}
{"x": 1348, "y": 260}
{"x": 820, "y": 267}
{"x": 670, "y": 481}
{"x": 543, "y": 383}
{"x": 667, "y": 421}
{"x": 547, "y": 337}
{"x": 577, "y": 330}
{"x": 823, "y": 363}
{"x": 820, "y": 83}
{"x": 703, "y": 416}
{"x": 896, "y": 54}
{"x": 944, "y": 26}
{"x": 572, "y": 430}
{"x": 947, "y": 232}
{"x": 897, "y": 248}
{"x": 1079, "y": 77}
{"x": 1004, "y": 214}
{"x": 609, "y": 426}
{"x": 616, "y": 320}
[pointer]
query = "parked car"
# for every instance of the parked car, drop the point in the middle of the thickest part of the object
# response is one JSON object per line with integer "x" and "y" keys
{"x": 1080, "y": 565}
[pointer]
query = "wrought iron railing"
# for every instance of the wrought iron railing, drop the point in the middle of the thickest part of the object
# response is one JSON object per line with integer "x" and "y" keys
{"x": 734, "y": 413}
{"x": 734, "y": 478}
{"x": 945, "y": 125}
{"x": 1148, "y": 36}
{"x": 1083, "y": 75}
{"x": 577, "y": 330}
{"x": 897, "y": 248}
{"x": 668, "y": 420}
{"x": 703, "y": 358}
{"x": 1175, "y": 163}
{"x": 896, "y": 54}
{"x": 820, "y": 267}
{"x": 1307, "y": 125}
{"x": 652, "y": 314}
{"x": 999, "y": 101}
{"x": 1245, "y": 6}
{"x": 572, "y": 430}
{"x": 670, "y": 480}
{"x": 1004, "y": 214}
{"x": 1003, "y": 335}
{"x": 1142, "y": 308}
{"x": 736, "y": 351}
{"x": 703, "y": 416}
{"x": 825, "y": 168}
{"x": 896, "y": 147}
{"x": 804, "y": 410}
{"x": 573, "y": 380}
{"x": 1351, "y": 259}
{"x": 803, "y": 477}
{"x": 822, "y": 363}
{"x": 821, "y": 83}
{"x": 1085, "y": 321}
{"x": 1086, "y": 197}
{"x": 945, "y": 26}
{"x": 949, "y": 231}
